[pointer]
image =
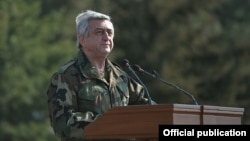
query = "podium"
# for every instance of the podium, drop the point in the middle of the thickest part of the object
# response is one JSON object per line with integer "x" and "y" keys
{"x": 140, "y": 122}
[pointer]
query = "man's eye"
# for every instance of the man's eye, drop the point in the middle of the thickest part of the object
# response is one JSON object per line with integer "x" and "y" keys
{"x": 99, "y": 32}
{"x": 102, "y": 32}
{"x": 110, "y": 32}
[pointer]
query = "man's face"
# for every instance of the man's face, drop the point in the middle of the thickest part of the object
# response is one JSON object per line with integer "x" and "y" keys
{"x": 100, "y": 38}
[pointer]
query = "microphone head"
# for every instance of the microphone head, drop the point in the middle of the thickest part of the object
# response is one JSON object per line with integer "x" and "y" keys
{"x": 137, "y": 68}
{"x": 126, "y": 62}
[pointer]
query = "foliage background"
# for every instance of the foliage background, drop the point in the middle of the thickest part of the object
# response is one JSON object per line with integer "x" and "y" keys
{"x": 201, "y": 46}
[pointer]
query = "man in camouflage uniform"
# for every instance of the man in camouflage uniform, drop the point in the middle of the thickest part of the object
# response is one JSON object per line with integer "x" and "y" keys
{"x": 90, "y": 84}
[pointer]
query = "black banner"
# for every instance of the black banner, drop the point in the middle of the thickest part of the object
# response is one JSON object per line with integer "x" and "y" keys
{"x": 198, "y": 132}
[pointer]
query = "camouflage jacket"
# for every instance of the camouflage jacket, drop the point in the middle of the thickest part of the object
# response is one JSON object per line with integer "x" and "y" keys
{"x": 77, "y": 95}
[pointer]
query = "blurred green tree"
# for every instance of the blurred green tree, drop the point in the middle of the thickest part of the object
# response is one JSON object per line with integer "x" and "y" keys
{"x": 201, "y": 46}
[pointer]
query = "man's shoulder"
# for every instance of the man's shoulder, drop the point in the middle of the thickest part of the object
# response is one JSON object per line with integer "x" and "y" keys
{"x": 118, "y": 69}
{"x": 116, "y": 65}
{"x": 66, "y": 66}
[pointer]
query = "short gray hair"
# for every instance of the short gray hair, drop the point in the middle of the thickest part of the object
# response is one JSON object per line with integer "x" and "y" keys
{"x": 82, "y": 22}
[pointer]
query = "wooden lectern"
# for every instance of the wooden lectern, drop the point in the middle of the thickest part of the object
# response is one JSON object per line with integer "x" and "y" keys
{"x": 140, "y": 122}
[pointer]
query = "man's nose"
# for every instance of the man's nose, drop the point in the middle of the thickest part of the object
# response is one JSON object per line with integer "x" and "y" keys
{"x": 105, "y": 35}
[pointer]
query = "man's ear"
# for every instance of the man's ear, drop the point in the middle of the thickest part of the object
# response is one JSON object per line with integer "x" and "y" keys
{"x": 81, "y": 40}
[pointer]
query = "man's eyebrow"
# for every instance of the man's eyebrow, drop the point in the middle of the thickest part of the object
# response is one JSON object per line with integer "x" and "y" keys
{"x": 101, "y": 28}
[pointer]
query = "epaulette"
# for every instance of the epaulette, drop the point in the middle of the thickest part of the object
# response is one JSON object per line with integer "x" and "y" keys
{"x": 66, "y": 66}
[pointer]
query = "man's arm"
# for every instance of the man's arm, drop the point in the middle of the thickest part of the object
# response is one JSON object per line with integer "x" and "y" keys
{"x": 62, "y": 104}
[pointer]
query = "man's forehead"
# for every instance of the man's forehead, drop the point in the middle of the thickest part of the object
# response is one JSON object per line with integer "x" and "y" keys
{"x": 102, "y": 24}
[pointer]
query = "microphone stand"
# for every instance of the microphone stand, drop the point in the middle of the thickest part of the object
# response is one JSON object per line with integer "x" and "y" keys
{"x": 157, "y": 76}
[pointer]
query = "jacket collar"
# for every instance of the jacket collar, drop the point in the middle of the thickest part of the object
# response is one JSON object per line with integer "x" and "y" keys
{"x": 87, "y": 70}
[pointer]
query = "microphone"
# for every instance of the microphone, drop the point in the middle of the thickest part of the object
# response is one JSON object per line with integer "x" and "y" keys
{"x": 126, "y": 63}
{"x": 157, "y": 76}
